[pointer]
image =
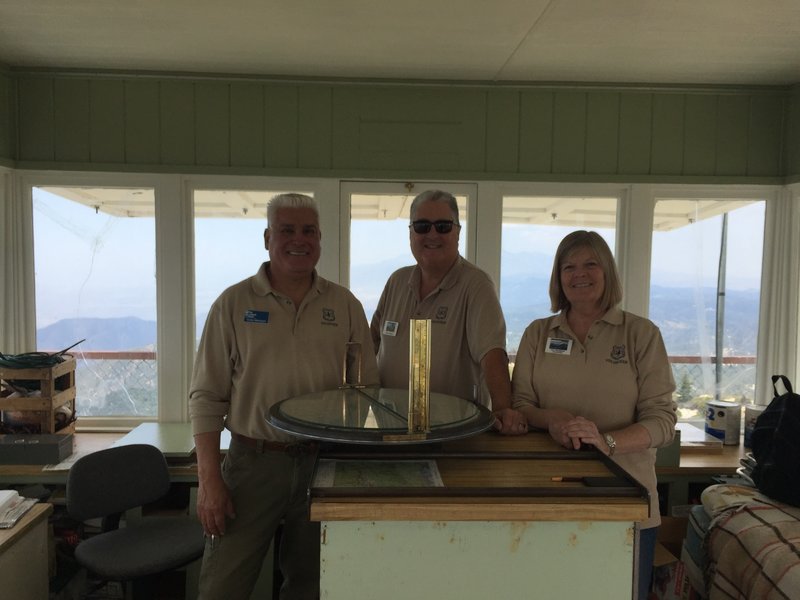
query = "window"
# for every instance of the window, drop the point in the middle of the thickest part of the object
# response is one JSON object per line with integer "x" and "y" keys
{"x": 94, "y": 253}
{"x": 228, "y": 242}
{"x": 533, "y": 226}
{"x": 704, "y": 296}
{"x": 379, "y": 242}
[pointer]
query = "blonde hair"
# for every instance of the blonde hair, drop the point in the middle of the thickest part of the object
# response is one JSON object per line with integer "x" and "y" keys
{"x": 612, "y": 294}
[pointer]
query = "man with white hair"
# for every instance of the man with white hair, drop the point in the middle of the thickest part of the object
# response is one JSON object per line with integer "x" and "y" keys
{"x": 278, "y": 334}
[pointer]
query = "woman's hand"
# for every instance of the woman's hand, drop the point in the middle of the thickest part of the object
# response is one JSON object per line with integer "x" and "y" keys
{"x": 583, "y": 431}
{"x": 557, "y": 421}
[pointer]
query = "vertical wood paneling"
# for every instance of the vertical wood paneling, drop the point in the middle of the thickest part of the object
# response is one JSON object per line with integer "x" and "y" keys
{"x": 219, "y": 124}
{"x": 350, "y": 106}
{"x": 107, "y": 121}
{"x": 536, "y": 132}
{"x": 177, "y": 112}
{"x": 71, "y": 120}
{"x": 793, "y": 134}
{"x": 668, "y": 134}
{"x": 733, "y": 114}
{"x": 502, "y": 131}
{"x": 470, "y": 135}
{"x": 247, "y": 125}
{"x": 409, "y": 129}
{"x": 314, "y": 127}
{"x": 699, "y": 155}
{"x": 635, "y": 133}
{"x": 767, "y": 117}
{"x": 602, "y": 131}
{"x": 142, "y": 123}
{"x": 569, "y": 132}
{"x": 7, "y": 121}
{"x": 36, "y": 119}
{"x": 212, "y": 103}
{"x": 281, "y": 113}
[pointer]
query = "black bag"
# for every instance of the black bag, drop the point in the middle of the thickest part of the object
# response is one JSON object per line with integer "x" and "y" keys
{"x": 776, "y": 446}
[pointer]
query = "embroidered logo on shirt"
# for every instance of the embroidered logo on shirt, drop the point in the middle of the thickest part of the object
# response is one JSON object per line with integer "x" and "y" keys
{"x": 328, "y": 314}
{"x": 617, "y": 354}
{"x": 256, "y": 316}
{"x": 441, "y": 313}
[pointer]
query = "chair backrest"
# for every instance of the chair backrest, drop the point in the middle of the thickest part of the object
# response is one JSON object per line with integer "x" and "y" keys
{"x": 115, "y": 480}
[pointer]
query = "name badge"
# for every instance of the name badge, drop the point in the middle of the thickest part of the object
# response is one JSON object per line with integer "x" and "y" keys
{"x": 558, "y": 346}
{"x": 390, "y": 328}
{"x": 256, "y": 316}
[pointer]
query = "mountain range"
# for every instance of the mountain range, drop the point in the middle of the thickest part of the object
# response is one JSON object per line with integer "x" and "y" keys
{"x": 682, "y": 325}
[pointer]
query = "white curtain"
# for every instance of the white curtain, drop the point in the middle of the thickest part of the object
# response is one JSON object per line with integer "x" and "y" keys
{"x": 17, "y": 305}
{"x": 780, "y": 289}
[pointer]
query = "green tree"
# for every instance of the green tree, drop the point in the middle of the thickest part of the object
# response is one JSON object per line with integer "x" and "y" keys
{"x": 685, "y": 390}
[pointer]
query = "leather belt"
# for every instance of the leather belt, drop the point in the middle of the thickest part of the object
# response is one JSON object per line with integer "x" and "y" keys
{"x": 261, "y": 446}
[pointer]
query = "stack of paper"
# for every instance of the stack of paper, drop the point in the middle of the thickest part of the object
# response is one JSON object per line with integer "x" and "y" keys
{"x": 12, "y": 507}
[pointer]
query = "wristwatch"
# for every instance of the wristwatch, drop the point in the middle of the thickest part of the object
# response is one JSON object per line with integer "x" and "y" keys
{"x": 612, "y": 443}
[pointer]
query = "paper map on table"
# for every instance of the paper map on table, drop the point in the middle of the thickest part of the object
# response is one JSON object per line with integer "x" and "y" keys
{"x": 377, "y": 473}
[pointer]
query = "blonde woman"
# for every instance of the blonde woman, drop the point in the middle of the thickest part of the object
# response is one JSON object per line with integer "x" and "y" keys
{"x": 593, "y": 374}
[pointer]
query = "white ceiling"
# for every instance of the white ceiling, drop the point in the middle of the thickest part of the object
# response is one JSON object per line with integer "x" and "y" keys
{"x": 612, "y": 41}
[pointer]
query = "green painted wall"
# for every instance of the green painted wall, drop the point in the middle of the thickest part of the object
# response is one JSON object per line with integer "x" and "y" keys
{"x": 578, "y": 133}
{"x": 7, "y": 120}
{"x": 793, "y": 137}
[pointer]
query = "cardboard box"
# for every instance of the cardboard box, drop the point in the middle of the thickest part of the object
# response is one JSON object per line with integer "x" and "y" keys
{"x": 35, "y": 449}
{"x": 670, "y": 581}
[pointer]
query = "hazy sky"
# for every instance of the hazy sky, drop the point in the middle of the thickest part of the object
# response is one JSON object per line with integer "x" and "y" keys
{"x": 91, "y": 264}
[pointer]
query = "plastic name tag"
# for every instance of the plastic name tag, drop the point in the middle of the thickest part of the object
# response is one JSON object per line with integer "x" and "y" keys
{"x": 558, "y": 346}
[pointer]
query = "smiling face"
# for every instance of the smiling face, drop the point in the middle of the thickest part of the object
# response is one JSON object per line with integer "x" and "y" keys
{"x": 293, "y": 241}
{"x": 433, "y": 251}
{"x": 582, "y": 278}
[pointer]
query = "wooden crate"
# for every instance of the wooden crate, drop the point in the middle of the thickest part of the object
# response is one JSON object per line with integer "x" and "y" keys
{"x": 57, "y": 385}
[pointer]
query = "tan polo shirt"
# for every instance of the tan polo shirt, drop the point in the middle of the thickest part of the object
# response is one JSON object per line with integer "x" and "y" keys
{"x": 466, "y": 322}
{"x": 621, "y": 375}
{"x": 257, "y": 349}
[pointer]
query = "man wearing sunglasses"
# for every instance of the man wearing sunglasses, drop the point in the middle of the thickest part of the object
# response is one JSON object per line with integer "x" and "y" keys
{"x": 468, "y": 331}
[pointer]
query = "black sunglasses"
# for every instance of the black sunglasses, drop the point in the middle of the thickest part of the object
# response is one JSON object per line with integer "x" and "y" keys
{"x": 424, "y": 226}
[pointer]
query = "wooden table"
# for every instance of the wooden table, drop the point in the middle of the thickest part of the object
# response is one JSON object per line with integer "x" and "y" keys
{"x": 699, "y": 468}
{"x": 24, "y": 556}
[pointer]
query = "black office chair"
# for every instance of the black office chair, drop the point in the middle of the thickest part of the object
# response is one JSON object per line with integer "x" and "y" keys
{"x": 106, "y": 484}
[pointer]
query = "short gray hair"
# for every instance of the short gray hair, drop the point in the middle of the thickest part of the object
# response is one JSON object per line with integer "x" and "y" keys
{"x": 435, "y": 196}
{"x": 290, "y": 200}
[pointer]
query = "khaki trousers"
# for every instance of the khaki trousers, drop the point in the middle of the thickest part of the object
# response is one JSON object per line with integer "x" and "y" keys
{"x": 267, "y": 488}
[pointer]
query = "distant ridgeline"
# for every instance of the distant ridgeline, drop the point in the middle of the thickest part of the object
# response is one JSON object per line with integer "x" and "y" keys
{"x": 672, "y": 308}
{"x": 115, "y": 334}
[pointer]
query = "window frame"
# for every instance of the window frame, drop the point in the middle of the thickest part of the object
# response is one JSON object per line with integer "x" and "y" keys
{"x": 175, "y": 255}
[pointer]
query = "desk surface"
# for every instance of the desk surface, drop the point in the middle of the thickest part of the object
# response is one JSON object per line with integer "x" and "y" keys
{"x": 36, "y": 513}
{"x": 707, "y": 463}
{"x": 694, "y": 463}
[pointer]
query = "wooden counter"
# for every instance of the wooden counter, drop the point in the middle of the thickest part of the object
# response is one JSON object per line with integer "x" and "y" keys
{"x": 519, "y": 531}
{"x": 491, "y": 463}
